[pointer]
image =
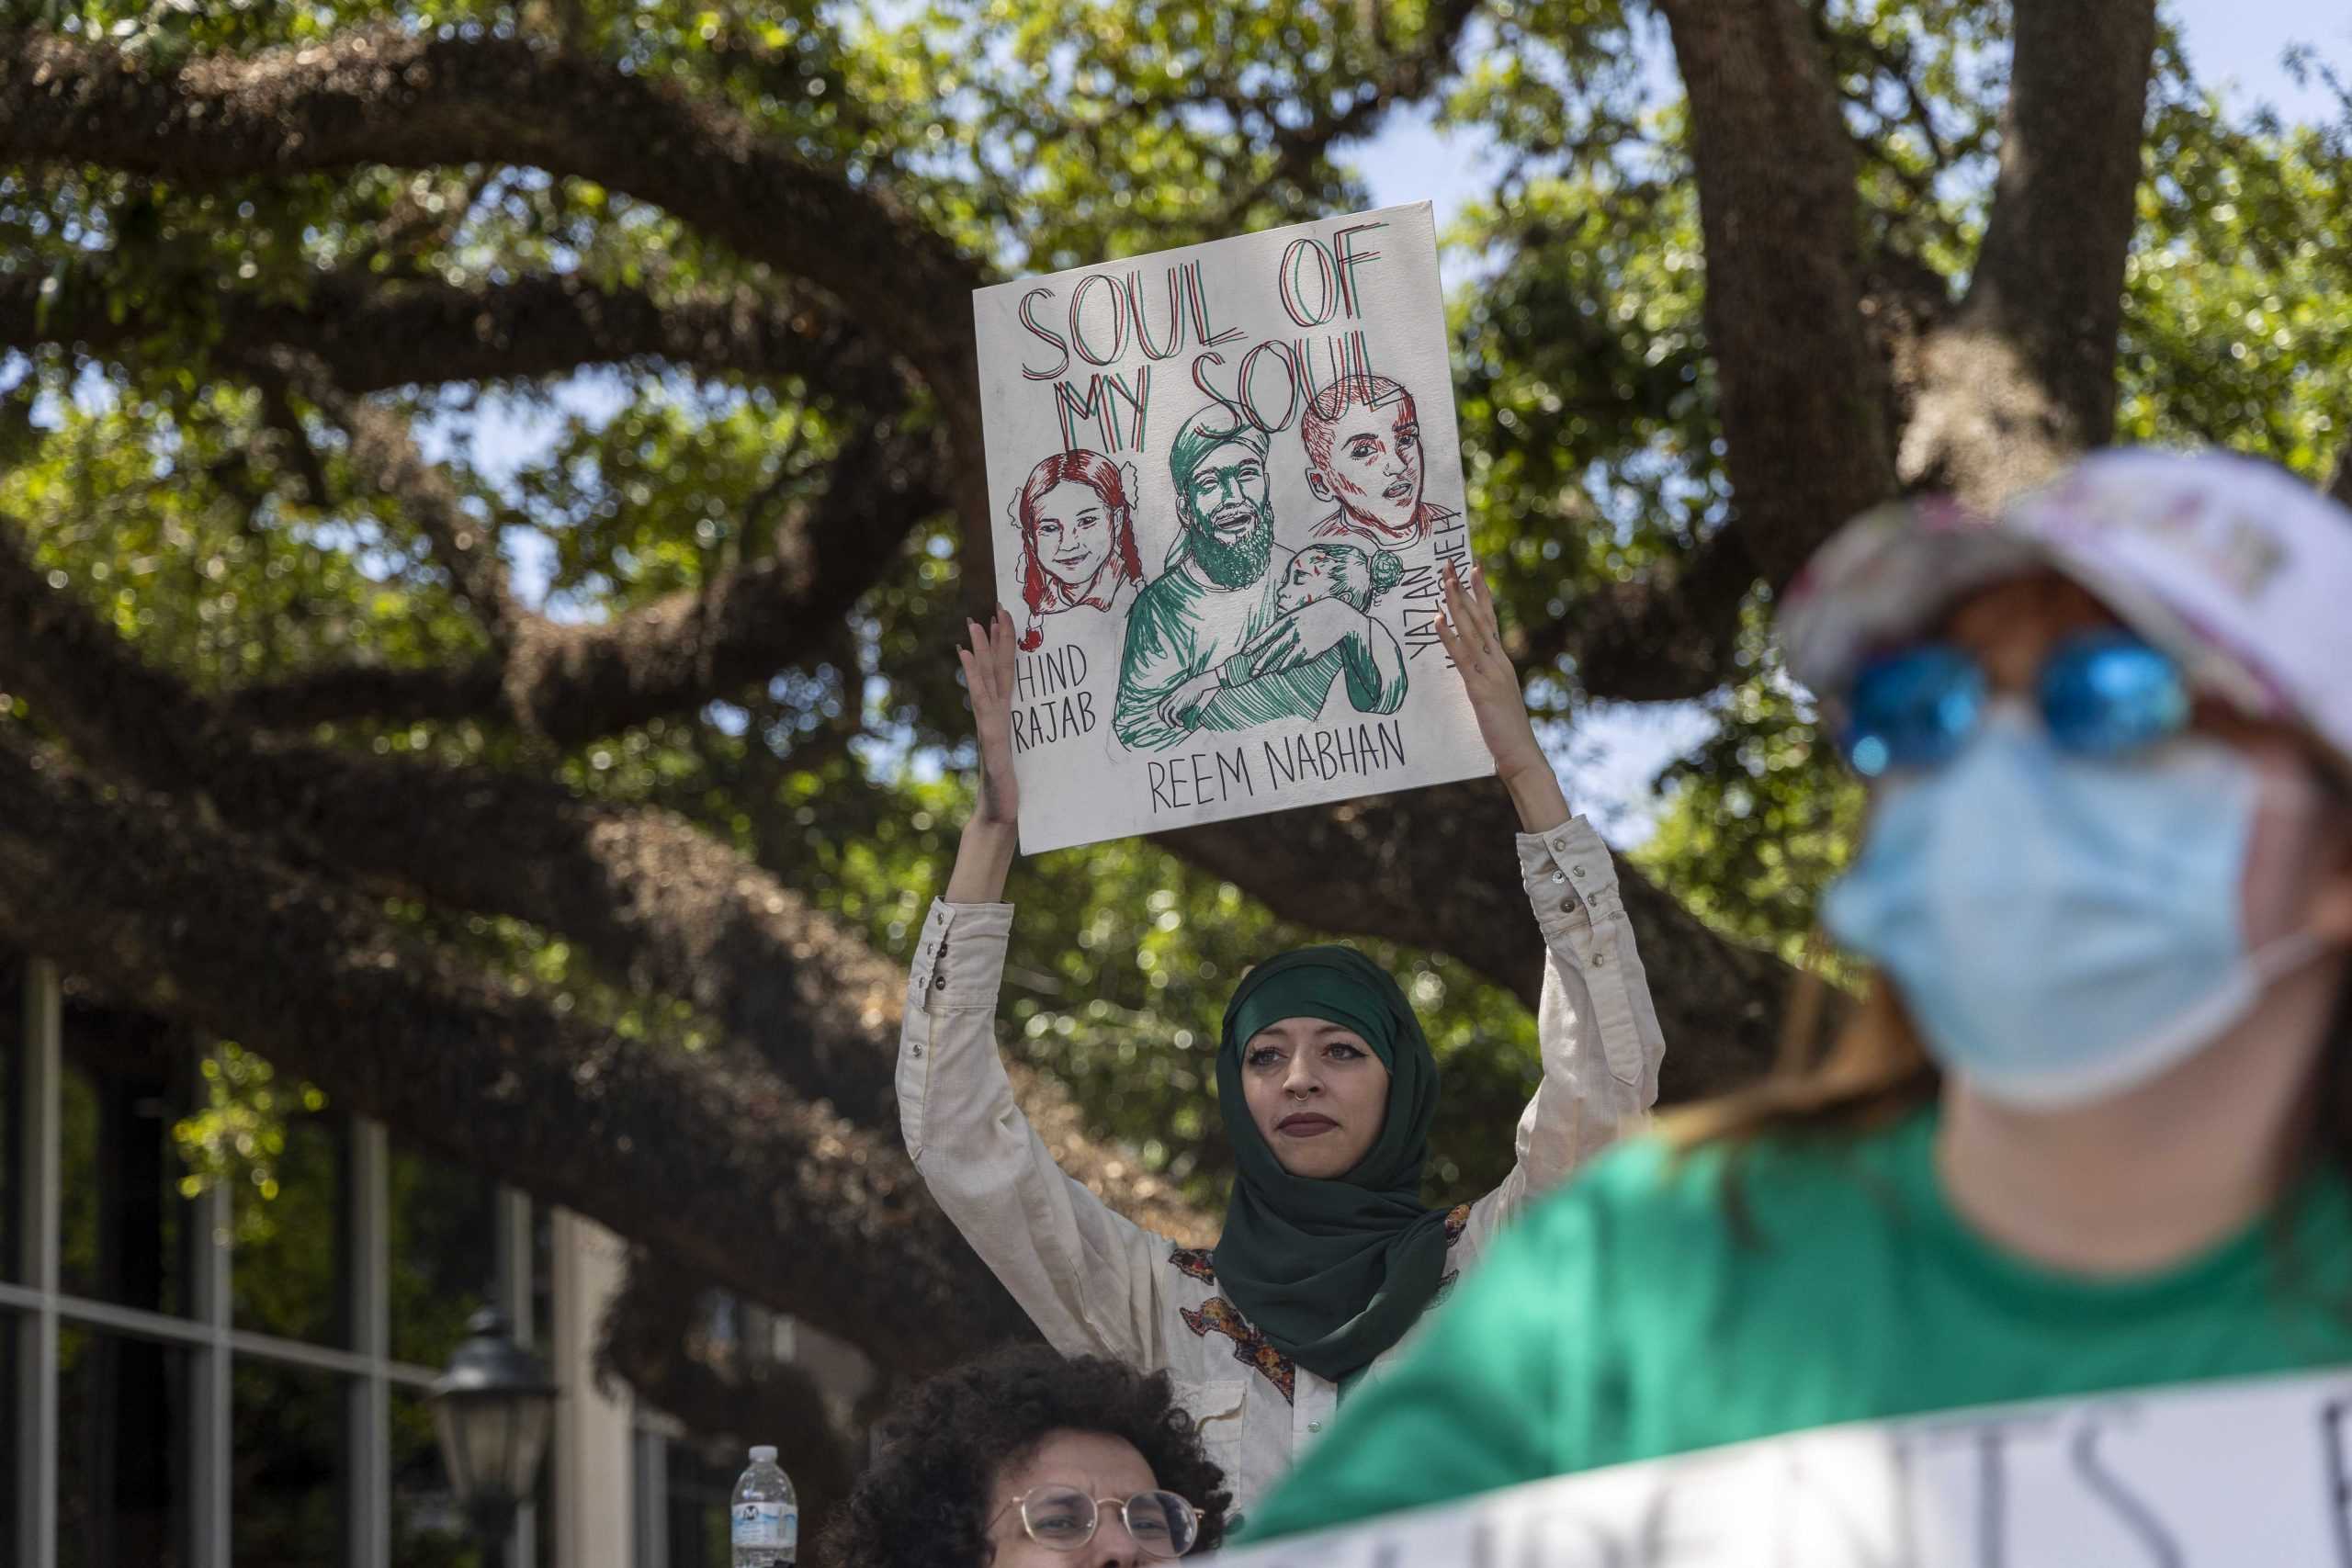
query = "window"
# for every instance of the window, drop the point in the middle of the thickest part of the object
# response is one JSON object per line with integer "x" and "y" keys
{"x": 701, "y": 1485}
{"x": 292, "y": 1270}
{"x": 428, "y": 1529}
{"x": 12, "y": 1029}
{"x": 444, "y": 1255}
{"x": 122, "y": 1451}
{"x": 10, "y": 1523}
{"x": 542, "y": 1276}
{"x": 230, "y": 1388}
{"x": 122, "y": 1222}
{"x": 289, "y": 1479}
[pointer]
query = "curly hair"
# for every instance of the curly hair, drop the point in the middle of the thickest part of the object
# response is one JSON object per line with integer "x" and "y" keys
{"x": 1355, "y": 577}
{"x": 925, "y": 1502}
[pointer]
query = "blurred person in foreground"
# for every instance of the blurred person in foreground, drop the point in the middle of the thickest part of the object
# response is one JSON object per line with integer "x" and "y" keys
{"x": 2093, "y": 1126}
{"x": 1030, "y": 1459}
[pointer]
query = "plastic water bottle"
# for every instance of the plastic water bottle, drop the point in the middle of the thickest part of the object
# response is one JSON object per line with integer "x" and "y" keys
{"x": 765, "y": 1525}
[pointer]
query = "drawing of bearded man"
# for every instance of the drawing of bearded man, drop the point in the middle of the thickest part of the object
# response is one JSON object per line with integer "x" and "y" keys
{"x": 1218, "y": 598}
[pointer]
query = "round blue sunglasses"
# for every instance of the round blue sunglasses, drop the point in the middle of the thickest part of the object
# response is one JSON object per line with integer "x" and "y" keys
{"x": 2100, "y": 693}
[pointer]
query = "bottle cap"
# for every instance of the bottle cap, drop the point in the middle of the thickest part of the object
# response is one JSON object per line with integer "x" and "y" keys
{"x": 764, "y": 1454}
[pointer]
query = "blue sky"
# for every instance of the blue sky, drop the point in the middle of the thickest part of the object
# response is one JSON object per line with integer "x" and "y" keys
{"x": 1611, "y": 754}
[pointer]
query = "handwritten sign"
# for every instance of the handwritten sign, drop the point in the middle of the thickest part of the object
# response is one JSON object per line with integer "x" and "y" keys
{"x": 1226, "y": 479}
{"x": 2223, "y": 1475}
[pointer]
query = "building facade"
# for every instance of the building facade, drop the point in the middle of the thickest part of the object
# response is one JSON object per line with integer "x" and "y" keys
{"x": 227, "y": 1368}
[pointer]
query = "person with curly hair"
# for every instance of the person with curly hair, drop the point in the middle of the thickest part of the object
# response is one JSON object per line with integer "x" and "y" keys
{"x": 1030, "y": 1459}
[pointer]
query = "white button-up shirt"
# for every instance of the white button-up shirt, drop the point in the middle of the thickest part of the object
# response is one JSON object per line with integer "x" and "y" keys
{"x": 1096, "y": 1283}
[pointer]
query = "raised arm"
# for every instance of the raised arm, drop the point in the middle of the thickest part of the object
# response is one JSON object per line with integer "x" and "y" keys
{"x": 1474, "y": 641}
{"x": 1596, "y": 1026}
{"x": 984, "y": 857}
{"x": 1088, "y": 1278}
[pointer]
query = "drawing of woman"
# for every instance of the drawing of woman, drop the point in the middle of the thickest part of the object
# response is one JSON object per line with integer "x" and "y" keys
{"x": 1078, "y": 539}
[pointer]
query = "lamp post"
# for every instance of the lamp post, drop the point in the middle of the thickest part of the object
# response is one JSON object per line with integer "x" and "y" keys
{"x": 491, "y": 1407}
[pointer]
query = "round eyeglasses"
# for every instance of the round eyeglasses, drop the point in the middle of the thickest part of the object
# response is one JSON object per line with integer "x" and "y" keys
{"x": 2101, "y": 693}
{"x": 1162, "y": 1525}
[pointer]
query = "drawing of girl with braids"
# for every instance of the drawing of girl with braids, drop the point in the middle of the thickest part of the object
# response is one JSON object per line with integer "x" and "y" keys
{"x": 1078, "y": 539}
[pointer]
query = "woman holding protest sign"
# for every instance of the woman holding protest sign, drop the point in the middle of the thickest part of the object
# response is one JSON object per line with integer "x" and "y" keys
{"x": 2093, "y": 1128}
{"x": 1327, "y": 1087}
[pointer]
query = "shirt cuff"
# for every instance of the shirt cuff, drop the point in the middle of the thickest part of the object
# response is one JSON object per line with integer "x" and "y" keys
{"x": 959, "y": 956}
{"x": 1568, "y": 872}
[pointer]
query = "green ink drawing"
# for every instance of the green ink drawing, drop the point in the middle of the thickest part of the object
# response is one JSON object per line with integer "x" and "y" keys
{"x": 1317, "y": 574}
{"x": 1231, "y": 601}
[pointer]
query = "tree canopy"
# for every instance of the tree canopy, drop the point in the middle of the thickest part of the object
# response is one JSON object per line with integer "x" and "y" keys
{"x": 573, "y": 817}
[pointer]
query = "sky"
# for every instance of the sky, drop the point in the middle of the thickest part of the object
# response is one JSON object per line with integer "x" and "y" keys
{"x": 1613, "y": 751}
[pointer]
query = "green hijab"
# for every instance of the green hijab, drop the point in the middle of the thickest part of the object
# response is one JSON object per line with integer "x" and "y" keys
{"x": 1331, "y": 1271}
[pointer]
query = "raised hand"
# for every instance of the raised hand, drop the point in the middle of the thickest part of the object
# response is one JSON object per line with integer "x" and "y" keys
{"x": 987, "y": 676}
{"x": 1474, "y": 640}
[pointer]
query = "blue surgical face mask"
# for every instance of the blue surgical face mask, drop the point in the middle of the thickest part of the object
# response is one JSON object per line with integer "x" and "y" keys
{"x": 2062, "y": 928}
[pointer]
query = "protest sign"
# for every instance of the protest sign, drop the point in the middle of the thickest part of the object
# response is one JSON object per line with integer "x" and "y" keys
{"x": 2222, "y": 1475}
{"x": 1224, "y": 480}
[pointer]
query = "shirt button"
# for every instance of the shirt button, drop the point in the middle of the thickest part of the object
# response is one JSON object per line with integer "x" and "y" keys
{"x": 1559, "y": 876}
{"x": 1600, "y": 961}
{"x": 1314, "y": 1425}
{"x": 1579, "y": 873}
{"x": 1569, "y": 903}
{"x": 1561, "y": 842}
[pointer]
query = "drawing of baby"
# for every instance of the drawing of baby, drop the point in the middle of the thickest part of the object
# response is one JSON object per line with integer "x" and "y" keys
{"x": 1355, "y": 577}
